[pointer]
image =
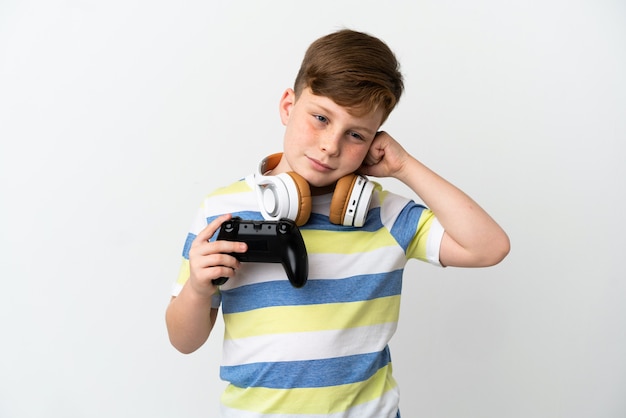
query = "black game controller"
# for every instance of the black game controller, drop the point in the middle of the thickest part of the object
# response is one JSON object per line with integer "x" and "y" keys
{"x": 269, "y": 242}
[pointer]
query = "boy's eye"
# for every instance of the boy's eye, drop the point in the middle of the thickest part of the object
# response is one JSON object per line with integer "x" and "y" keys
{"x": 355, "y": 135}
{"x": 321, "y": 118}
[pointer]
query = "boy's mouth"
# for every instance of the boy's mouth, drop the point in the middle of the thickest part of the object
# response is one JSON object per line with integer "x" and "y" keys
{"x": 319, "y": 166}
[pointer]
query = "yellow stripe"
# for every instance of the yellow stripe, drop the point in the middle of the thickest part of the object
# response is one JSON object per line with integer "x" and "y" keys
{"x": 382, "y": 194}
{"x": 238, "y": 187}
{"x": 417, "y": 246}
{"x": 183, "y": 274}
{"x": 307, "y": 318}
{"x": 339, "y": 242}
{"x": 311, "y": 401}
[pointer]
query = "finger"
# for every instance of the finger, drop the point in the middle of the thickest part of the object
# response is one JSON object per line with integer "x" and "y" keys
{"x": 206, "y": 265}
{"x": 205, "y": 253}
{"x": 224, "y": 246}
{"x": 205, "y": 278}
{"x": 212, "y": 267}
{"x": 212, "y": 227}
{"x": 374, "y": 156}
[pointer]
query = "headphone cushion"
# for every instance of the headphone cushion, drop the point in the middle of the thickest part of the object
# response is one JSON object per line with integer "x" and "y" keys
{"x": 303, "y": 199}
{"x": 341, "y": 196}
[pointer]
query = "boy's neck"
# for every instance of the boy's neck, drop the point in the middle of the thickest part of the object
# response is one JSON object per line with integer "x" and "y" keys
{"x": 318, "y": 191}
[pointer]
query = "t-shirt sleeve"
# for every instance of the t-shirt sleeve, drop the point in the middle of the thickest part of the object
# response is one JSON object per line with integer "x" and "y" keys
{"x": 426, "y": 242}
{"x": 414, "y": 226}
{"x": 199, "y": 222}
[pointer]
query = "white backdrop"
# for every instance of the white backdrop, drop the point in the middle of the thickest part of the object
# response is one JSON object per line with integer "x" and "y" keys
{"x": 117, "y": 117}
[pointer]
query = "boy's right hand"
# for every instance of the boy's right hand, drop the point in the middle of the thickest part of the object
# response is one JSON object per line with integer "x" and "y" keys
{"x": 385, "y": 157}
{"x": 210, "y": 260}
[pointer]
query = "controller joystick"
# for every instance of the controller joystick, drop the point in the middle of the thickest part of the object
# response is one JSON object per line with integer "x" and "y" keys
{"x": 269, "y": 242}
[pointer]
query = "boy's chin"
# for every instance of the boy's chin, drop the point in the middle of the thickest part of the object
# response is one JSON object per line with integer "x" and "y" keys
{"x": 321, "y": 181}
{"x": 324, "y": 182}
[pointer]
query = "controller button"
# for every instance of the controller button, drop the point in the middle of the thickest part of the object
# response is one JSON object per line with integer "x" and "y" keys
{"x": 229, "y": 227}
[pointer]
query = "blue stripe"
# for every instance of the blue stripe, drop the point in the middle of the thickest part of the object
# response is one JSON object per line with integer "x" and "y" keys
{"x": 322, "y": 222}
{"x": 244, "y": 214}
{"x": 282, "y": 293}
{"x": 187, "y": 246}
{"x": 406, "y": 225}
{"x": 373, "y": 223}
{"x": 248, "y": 215}
{"x": 307, "y": 374}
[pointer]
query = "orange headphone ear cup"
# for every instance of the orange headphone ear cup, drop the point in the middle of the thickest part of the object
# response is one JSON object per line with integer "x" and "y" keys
{"x": 304, "y": 198}
{"x": 341, "y": 198}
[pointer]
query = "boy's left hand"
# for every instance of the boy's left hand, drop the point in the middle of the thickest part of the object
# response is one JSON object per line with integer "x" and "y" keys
{"x": 385, "y": 158}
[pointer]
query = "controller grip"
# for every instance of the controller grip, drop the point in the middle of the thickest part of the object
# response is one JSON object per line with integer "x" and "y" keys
{"x": 219, "y": 281}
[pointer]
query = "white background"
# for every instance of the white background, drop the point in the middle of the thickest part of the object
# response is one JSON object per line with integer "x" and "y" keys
{"x": 117, "y": 117}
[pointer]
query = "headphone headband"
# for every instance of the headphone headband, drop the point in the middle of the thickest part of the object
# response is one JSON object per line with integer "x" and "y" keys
{"x": 269, "y": 163}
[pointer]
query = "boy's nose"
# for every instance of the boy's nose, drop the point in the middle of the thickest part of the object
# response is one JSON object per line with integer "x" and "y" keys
{"x": 329, "y": 142}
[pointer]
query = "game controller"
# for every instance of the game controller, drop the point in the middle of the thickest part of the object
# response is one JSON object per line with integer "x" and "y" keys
{"x": 269, "y": 242}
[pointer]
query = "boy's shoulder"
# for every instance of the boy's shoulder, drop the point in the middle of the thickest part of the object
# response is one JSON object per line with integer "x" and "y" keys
{"x": 235, "y": 197}
{"x": 241, "y": 185}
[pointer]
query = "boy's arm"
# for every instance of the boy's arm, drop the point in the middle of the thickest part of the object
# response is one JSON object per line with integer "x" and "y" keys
{"x": 472, "y": 238}
{"x": 189, "y": 316}
{"x": 189, "y": 321}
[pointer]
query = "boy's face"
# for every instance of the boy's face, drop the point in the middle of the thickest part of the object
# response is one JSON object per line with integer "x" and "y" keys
{"x": 323, "y": 141}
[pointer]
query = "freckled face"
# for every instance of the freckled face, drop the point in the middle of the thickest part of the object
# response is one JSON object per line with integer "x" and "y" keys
{"x": 323, "y": 141}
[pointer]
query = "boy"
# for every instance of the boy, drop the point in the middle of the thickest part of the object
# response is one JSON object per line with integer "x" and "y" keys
{"x": 321, "y": 350}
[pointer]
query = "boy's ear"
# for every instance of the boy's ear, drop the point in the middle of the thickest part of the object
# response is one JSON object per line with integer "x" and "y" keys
{"x": 287, "y": 101}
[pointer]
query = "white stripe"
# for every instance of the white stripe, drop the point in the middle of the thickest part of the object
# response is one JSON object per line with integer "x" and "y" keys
{"x": 222, "y": 203}
{"x": 433, "y": 244}
{"x": 381, "y": 260}
{"x": 176, "y": 288}
{"x": 391, "y": 208}
{"x": 199, "y": 222}
{"x": 322, "y": 266}
{"x": 307, "y": 345}
{"x": 384, "y": 407}
{"x": 216, "y": 299}
{"x": 230, "y": 202}
{"x": 252, "y": 273}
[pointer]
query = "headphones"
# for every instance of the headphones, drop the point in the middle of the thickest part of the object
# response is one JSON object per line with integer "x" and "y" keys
{"x": 288, "y": 195}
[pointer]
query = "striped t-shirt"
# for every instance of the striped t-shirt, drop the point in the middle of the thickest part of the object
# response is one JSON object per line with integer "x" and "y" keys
{"x": 320, "y": 350}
